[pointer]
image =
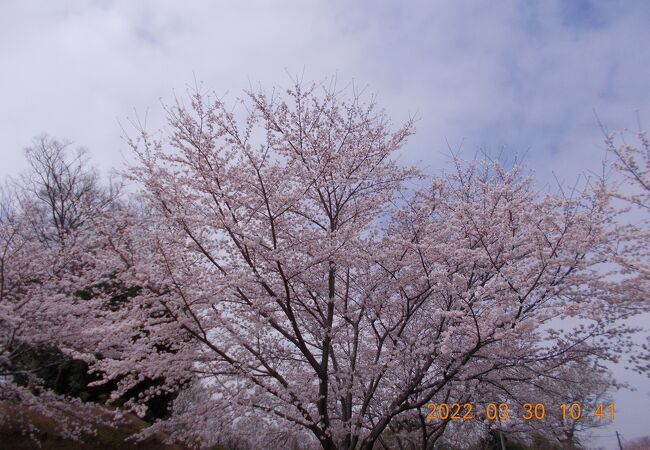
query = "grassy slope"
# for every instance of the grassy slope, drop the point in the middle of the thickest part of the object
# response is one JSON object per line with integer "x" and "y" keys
{"x": 107, "y": 438}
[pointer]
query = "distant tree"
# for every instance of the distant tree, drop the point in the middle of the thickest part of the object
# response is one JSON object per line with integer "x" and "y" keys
{"x": 642, "y": 443}
{"x": 323, "y": 290}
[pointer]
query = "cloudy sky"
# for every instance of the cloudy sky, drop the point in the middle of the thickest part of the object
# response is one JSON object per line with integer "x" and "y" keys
{"x": 504, "y": 77}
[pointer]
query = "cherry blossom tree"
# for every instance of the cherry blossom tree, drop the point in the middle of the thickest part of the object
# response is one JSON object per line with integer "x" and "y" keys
{"x": 46, "y": 237}
{"x": 632, "y": 164}
{"x": 60, "y": 229}
{"x": 322, "y": 291}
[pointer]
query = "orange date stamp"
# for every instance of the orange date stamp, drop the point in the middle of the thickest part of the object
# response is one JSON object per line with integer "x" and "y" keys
{"x": 525, "y": 411}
